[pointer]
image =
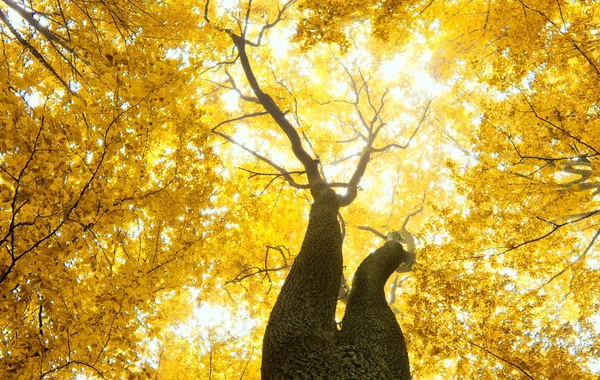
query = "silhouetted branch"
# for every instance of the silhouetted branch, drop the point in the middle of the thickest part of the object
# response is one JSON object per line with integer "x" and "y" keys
{"x": 583, "y": 254}
{"x": 402, "y": 236}
{"x": 282, "y": 171}
{"x": 496, "y": 356}
{"x": 404, "y": 146}
{"x": 559, "y": 128}
{"x": 256, "y": 174}
{"x": 395, "y": 285}
{"x": 564, "y": 34}
{"x": 372, "y": 124}
{"x": 52, "y": 230}
{"x": 34, "y": 51}
{"x": 268, "y": 25}
{"x": 255, "y": 114}
{"x": 247, "y": 362}
{"x": 253, "y": 271}
{"x": 69, "y": 364}
{"x": 28, "y": 16}
{"x": 374, "y": 231}
{"x": 310, "y": 164}
{"x": 581, "y": 215}
{"x": 555, "y": 228}
{"x": 234, "y": 87}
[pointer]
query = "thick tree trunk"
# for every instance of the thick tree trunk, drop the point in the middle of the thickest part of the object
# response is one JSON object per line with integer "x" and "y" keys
{"x": 302, "y": 340}
{"x": 369, "y": 325}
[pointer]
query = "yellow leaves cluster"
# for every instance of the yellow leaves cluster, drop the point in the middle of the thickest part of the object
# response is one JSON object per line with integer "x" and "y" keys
{"x": 95, "y": 228}
{"x": 113, "y": 207}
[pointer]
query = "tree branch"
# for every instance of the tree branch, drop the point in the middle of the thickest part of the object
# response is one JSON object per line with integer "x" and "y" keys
{"x": 372, "y": 230}
{"x": 564, "y": 34}
{"x": 252, "y": 271}
{"x": 404, "y": 146}
{"x": 561, "y": 129}
{"x": 554, "y": 229}
{"x": 284, "y": 173}
{"x": 310, "y": 164}
{"x": 34, "y": 51}
{"x": 496, "y": 356}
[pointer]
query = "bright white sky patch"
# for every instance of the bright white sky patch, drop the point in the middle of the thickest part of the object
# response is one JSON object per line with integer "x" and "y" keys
{"x": 225, "y": 5}
{"x": 230, "y": 98}
{"x": 402, "y": 64}
{"x": 594, "y": 365}
{"x": 217, "y": 319}
{"x": 424, "y": 82}
{"x": 207, "y": 316}
{"x": 241, "y": 134}
{"x": 593, "y": 264}
{"x": 280, "y": 42}
{"x": 391, "y": 69}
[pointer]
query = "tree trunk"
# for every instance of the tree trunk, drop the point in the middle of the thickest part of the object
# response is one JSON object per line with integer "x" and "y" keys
{"x": 302, "y": 340}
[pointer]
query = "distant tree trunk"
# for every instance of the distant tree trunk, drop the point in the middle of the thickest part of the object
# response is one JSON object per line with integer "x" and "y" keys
{"x": 302, "y": 340}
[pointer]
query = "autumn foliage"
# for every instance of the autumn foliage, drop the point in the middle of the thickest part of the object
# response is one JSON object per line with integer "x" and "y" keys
{"x": 151, "y": 204}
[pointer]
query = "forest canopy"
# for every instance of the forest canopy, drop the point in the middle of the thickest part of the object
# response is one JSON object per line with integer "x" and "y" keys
{"x": 151, "y": 207}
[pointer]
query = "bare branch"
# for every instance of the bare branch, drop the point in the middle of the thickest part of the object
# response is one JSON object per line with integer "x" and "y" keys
{"x": 343, "y": 159}
{"x": 555, "y": 228}
{"x": 252, "y": 271}
{"x": 393, "y": 291}
{"x": 69, "y": 364}
{"x": 274, "y": 175}
{"x": 361, "y": 167}
{"x": 53, "y": 39}
{"x": 264, "y": 159}
{"x": 374, "y": 231}
{"x": 279, "y": 18}
{"x": 310, "y": 164}
{"x": 52, "y": 230}
{"x": 564, "y": 34}
{"x": 495, "y": 355}
{"x": 237, "y": 119}
{"x": 28, "y": 16}
{"x": 583, "y": 254}
{"x": 247, "y": 362}
{"x": 236, "y": 89}
{"x": 282, "y": 172}
{"x": 569, "y": 217}
{"x": 412, "y": 136}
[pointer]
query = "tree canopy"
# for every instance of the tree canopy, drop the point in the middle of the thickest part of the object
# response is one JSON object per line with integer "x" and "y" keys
{"x": 151, "y": 203}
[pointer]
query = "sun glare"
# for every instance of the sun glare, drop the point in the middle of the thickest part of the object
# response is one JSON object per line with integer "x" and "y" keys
{"x": 231, "y": 100}
{"x": 280, "y": 42}
{"x": 402, "y": 65}
{"x": 392, "y": 68}
{"x": 216, "y": 321}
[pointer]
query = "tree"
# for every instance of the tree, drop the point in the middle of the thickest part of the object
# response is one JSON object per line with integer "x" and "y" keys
{"x": 95, "y": 222}
{"x": 301, "y": 338}
{"x": 129, "y": 131}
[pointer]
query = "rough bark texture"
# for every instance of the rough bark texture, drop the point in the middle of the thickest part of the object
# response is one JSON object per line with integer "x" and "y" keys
{"x": 369, "y": 325}
{"x": 302, "y": 341}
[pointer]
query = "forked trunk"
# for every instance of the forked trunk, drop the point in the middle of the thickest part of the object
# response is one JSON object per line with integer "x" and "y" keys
{"x": 302, "y": 340}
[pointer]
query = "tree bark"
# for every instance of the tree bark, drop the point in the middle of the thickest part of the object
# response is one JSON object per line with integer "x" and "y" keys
{"x": 302, "y": 340}
{"x": 369, "y": 325}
